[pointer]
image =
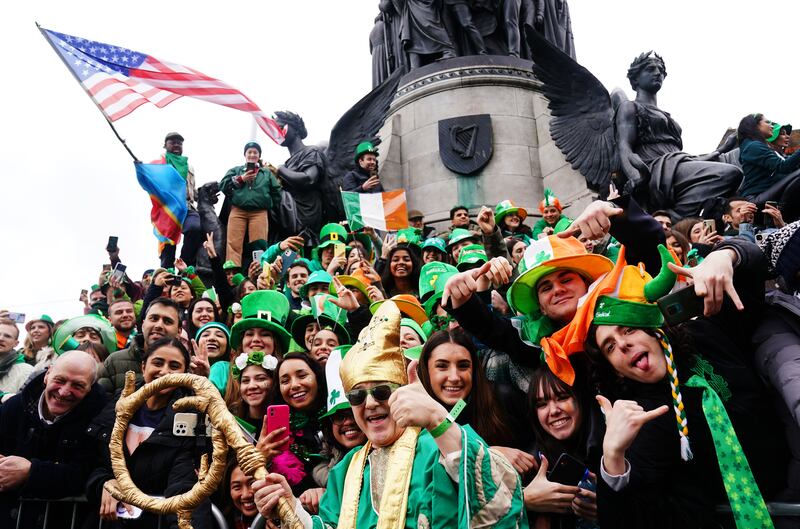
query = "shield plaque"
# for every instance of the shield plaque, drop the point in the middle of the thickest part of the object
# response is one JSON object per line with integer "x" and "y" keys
{"x": 465, "y": 143}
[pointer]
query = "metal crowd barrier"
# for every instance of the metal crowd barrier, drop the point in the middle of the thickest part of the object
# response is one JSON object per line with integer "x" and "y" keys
{"x": 75, "y": 523}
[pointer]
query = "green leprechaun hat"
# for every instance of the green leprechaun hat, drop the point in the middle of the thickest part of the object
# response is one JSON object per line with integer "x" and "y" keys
{"x": 410, "y": 236}
{"x": 337, "y": 398}
{"x": 507, "y": 207}
{"x": 62, "y": 337}
{"x": 327, "y": 315}
{"x": 266, "y": 309}
{"x": 365, "y": 147}
{"x": 332, "y": 233}
{"x": 458, "y": 235}
{"x": 432, "y": 277}
{"x": 316, "y": 277}
{"x": 471, "y": 256}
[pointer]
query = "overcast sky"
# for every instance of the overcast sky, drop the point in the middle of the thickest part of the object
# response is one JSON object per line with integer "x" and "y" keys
{"x": 69, "y": 184}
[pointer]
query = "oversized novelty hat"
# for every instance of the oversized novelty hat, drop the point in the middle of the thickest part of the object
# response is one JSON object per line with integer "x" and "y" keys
{"x": 357, "y": 279}
{"x": 327, "y": 315}
{"x": 471, "y": 257}
{"x": 266, "y": 309}
{"x": 365, "y": 147}
{"x": 64, "y": 333}
{"x": 316, "y": 277}
{"x": 408, "y": 305}
{"x": 337, "y": 398}
{"x": 550, "y": 200}
{"x": 507, "y": 207}
{"x": 411, "y": 236}
{"x": 624, "y": 296}
{"x": 545, "y": 256}
{"x": 432, "y": 277}
{"x": 434, "y": 242}
{"x": 376, "y": 356}
{"x": 776, "y": 131}
{"x": 44, "y": 318}
{"x": 458, "y": 235}
{"x": 332, "y": 233}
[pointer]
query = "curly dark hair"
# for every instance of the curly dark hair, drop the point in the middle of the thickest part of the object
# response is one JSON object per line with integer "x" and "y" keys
{"x": 639, "y": 64}
{"x": 285, "y": 117}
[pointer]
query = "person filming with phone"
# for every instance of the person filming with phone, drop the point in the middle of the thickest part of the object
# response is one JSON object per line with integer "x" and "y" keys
{"x": 253, "y": 191}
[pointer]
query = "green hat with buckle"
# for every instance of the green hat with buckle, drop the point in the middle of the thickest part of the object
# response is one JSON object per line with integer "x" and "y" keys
{"x": 317, "y": 277}
{"x": 435, "y": 243}
{"x": 337, "y": 398}
{"x": 229, "y": 265}
{"x": 267, "y": 309}
{"x": 327, "y": 315}
{"x": 471, "y": 256}
{"x": 365, "y": 147}
{"x": 458, "y": 235}
{"x": 432, "y": 277}
{"x": 507, "y": 207}
{"x": 412, "y": 236}
{"x": 63, "y": 335}
{"x": 330, "y": 233}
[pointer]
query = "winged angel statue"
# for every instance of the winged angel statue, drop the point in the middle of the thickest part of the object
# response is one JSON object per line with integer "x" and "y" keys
{"x": 606, "y": 135}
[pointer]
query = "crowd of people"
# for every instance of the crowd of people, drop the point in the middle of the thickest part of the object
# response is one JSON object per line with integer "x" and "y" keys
{"x": 620, "y": 369}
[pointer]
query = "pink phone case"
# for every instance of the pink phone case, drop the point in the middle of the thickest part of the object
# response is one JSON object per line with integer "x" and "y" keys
{"x": 278, "y": 417}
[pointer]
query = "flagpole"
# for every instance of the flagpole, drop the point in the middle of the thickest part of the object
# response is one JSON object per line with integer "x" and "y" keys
{"x": 47, "y": 38}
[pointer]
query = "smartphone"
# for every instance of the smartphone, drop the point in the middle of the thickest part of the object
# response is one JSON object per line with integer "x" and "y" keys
{"x": 252, "y": 166}
{"x": 17, "y": 317}
{"x": 84, "y": 293}
{"x": 771, "y": 203}
{"x": 119, "y": 272}
{"x": 257, "y": 255}
{"x": 185, "y": 425}
{"x": 681, "y": 306}
{"x": 710, "y": 225}
{"x": 278, "y": 417}
{"x": 287, "y": 259}
{"x": 567, "y": 471}
{"x": 339, "y": 250}
{"x": 112, "y": 243}
{"x": 174, "y": 281}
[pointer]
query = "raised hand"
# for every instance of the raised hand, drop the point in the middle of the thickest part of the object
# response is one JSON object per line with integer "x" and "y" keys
{"x": 345, "y": 299}
{"x": 411, "y": 405}
{"x": 208, "y": 244}
{"x": 295, "y": 242}
{"x": 180, "y": 265}
{"x": 461, "y": 287}
{"x": 199, "y": 364}
{"x": 268, "y": 491}
{"x": 374, "y": 293}
{"x": 623, "y": 421}
{"x": 713, "y": 278}
{"x": 594, "y": 222}
{"x": 542, "y": 495}
{"x": 272, "y": 444}
{"x": 486, "y": 220}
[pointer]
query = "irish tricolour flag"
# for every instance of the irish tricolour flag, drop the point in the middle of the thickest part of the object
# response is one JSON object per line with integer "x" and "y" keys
{"x": 383, "y": 211}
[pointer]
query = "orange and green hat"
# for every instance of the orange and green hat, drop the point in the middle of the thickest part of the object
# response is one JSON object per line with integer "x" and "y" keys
{"x": 267, "y": 309}
{"x": 409, "y": 306}
{"x": 550, "y": 200}
{"x": 507, "y": 207}
{"x": 357, "y": 279}
{"x": 545, "y": 256}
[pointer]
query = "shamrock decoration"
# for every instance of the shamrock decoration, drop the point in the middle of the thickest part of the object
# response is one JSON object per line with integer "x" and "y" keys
{"x": 541, "y": 257}
{"x": 335, "y": 395}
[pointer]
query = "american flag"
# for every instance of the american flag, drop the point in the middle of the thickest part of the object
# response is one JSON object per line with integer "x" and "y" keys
{"x": 120, "y": 80}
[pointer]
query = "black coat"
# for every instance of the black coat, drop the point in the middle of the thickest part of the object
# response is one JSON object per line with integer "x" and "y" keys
{"x": 163, "y": 465}
{"x": 61, "y": 454}
{"x": 666, "y": 492}
{"x": 355, "y": 179}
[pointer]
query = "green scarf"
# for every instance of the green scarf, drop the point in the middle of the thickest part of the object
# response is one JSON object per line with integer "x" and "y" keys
{"x": 180, "y": 163}
{"x": 749, "y": 509}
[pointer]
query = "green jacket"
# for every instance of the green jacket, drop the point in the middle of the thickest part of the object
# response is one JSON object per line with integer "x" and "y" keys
{"x": 261, "y": 194}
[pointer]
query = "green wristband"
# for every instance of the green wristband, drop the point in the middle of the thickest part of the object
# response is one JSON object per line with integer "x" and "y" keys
{"x": 448, "y": 421}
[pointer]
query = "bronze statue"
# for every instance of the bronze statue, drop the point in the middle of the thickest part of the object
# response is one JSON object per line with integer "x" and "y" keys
{"x": 601, "y": 134}
{"x": 422, "y": 33}
{"x": 461, "y": 14}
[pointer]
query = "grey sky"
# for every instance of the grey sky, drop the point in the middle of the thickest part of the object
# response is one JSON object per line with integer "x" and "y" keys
{"x": 68, "y": 183}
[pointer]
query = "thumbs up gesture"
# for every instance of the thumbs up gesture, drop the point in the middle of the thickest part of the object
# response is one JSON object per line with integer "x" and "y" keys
{"x": 623, "y": 421}
{"x": 543, "y": 495}
{"x": 411, "y": 405}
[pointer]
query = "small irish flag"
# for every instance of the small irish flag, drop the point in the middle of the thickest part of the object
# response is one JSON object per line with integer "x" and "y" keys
{"x": 383, "y": 211}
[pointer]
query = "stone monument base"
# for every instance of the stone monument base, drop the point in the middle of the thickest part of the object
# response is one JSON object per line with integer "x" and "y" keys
{"x": 525, "y": 160}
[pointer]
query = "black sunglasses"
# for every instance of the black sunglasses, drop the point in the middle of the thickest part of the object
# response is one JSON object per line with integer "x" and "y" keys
{"x": 382, "y": 392}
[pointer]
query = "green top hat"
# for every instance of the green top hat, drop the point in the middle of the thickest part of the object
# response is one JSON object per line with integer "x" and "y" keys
{"x": 319, "y": 276}
{"x": 363, "y": 148}
{"x": 411, "y": 236}
{"x": 229, "y": 265}
{"x": 326, "y": 314}
{"x": 471, "y": 256}
{"x": 266, "y": 309}
{"x": 432, "y": 277}
{"x": 507, "y": 207}
{"x": 332, "y": 233}
{"x": 337, "y": 399}
{"x": 458, "y": 235}
{"x": 434, "y": 242}
{"x": 103, "y": 327}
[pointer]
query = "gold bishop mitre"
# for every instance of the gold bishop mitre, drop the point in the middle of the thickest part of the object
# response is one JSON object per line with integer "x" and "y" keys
{"x": 376, "y": 356}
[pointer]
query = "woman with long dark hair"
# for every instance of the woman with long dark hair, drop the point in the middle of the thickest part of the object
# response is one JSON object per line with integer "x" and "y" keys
{"x": 767, "y": 174}
{"x": 201, "y": 311}
{"x": 401, "y": 274}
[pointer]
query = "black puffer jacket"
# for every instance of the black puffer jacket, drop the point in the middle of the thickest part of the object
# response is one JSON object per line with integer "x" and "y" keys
{"x": 163, "y": 465}
{"x": 61, "y": 454}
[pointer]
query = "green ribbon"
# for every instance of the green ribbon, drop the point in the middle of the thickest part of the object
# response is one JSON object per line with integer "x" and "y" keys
{"x": 747, "y": 504}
